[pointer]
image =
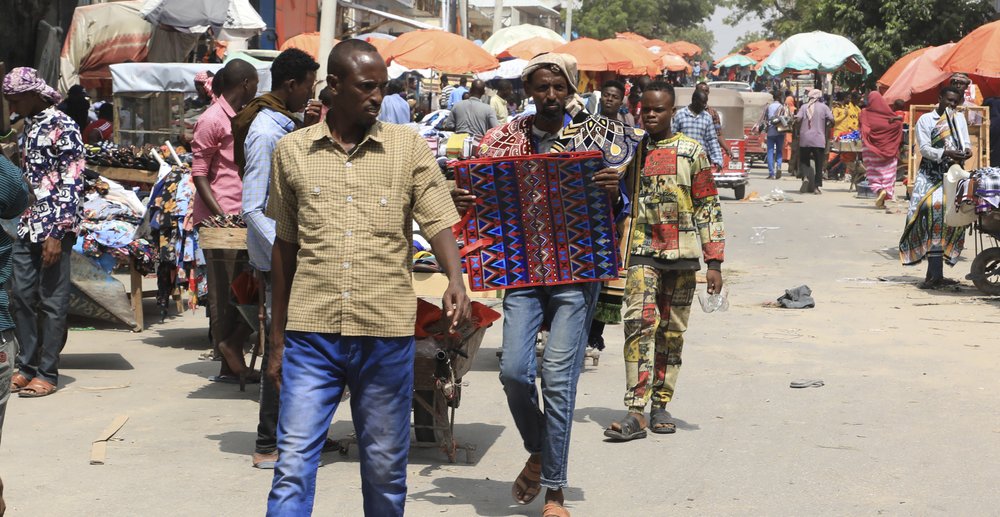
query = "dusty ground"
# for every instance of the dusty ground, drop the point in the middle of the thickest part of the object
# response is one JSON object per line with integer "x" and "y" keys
{"x": 906, "y": 424}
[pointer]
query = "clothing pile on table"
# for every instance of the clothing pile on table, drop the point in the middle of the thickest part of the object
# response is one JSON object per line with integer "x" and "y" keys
{"x": 110, "y": 215}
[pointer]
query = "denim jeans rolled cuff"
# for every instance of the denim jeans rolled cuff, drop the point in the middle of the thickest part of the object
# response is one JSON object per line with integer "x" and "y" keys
{"x": 316, "y": 368}
{"x": 568, "y": 310}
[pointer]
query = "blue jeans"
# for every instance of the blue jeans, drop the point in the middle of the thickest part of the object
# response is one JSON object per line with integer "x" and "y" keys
{"x": 568, "y": 309}
{"x": 775, "y": 148}
{"x": 315, "y": 370}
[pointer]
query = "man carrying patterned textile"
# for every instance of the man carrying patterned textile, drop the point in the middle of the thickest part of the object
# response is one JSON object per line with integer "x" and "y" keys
{"x": 551, "y": 81}
{"x": 53, "y": 164}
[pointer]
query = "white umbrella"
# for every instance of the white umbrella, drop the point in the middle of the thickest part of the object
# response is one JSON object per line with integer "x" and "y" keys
{"x": 508, "y": 70}
{"x": 236, "y": 18}
{"x": 510, "y": 36}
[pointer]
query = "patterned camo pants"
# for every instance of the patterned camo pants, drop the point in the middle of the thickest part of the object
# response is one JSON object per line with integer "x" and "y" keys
{"x": 657, "y": 306}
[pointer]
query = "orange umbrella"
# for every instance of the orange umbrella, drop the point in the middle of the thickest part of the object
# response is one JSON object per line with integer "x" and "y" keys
{"x": 643, "y": 60}
{"x": 631, "y": 36}
{"x": 439, "y": 50}
{"x": 897, "y": 68}
{"x": 380, "y": 44}
{"x": 529, "y": 48}
{"x": 594, "y": 56}
{"x": 683, "y": 48}
{"x": 656, "y": 44}
{"x": 674, "y": 63}
{"x": 976, "y": 54}
{"x": 759, "y": 50}
{"x": 307, "y": 42}
{"x": 919, "y": 81}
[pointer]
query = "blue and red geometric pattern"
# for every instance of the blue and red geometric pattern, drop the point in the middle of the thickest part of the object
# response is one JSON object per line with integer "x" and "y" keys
{"x": 542, "y": 219}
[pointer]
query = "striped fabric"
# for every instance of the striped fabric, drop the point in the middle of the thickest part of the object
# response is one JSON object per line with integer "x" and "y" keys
{"x": 13, "y": 202}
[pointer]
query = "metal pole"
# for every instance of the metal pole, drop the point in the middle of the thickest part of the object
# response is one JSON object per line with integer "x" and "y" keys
{"x": 463, "y": 9}
{"x": 327, "y": 29}
{"x": 497, "y": 15}
{"x": 569, "y": 21}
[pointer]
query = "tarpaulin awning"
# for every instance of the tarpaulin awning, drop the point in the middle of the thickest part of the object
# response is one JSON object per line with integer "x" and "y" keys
{"x": 817, "y": 51}
{"x": 100, "y": 35}
{"x": 236, "y": 18}
{"x": 170, "y": 77}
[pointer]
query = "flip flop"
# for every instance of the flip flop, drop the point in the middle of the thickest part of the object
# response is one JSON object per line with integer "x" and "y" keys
{"x": 806, "y": 383}
{"x": 629, "y": 429}
{"x": 265, "y": 461}
{"x": 659, "y": 422}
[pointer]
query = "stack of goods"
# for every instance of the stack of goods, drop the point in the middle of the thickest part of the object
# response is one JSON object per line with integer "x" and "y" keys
{"x": 986, "y": 182}
{"x": 107, "y": 154}
{"x": 110, "y": 215}
{"x": 179, "y": 260}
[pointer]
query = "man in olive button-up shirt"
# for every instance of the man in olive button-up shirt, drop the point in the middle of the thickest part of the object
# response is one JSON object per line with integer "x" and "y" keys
{"x": 343, "y": 197}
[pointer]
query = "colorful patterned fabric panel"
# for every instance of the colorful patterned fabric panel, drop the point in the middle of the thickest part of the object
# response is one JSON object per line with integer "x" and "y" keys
{"x": 538, "y": 220}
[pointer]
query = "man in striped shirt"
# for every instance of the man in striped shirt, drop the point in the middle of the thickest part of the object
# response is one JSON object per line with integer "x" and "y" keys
{"x": 13, "y": 202}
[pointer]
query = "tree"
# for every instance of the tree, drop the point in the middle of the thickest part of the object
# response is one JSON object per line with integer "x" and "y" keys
{"x": 884, "y": 31}
{"x": 601, "y": 19}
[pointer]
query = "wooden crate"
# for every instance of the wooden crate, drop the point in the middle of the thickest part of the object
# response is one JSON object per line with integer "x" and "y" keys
{"x": 222, "y": 238}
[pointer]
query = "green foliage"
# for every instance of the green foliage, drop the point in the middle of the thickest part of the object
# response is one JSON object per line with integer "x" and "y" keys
{"x": 884, "y": 30}
{"x": 663, "y": 19}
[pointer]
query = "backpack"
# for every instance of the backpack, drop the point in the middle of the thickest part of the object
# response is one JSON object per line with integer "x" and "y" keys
{"x": 781, "y": 121}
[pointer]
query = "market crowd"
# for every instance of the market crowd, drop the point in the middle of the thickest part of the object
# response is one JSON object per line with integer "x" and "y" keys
{"x": 327, "y": 190}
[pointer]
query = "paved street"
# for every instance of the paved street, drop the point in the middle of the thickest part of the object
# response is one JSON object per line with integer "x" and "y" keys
{"x": 906, "y": 424}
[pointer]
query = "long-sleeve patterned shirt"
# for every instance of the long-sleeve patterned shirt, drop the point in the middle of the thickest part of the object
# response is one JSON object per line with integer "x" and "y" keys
{"x": 53, "y": 165}
{"x": 676, "y": 215}
{"x": 265, "y": 131}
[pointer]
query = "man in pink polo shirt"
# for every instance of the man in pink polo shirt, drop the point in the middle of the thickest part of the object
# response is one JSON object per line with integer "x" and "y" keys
{"x": 220, "y": 192}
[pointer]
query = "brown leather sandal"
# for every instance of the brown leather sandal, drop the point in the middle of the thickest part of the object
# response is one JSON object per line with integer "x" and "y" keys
{"x": 528, "y": 484}
{"x": 554, "y": 510}
{"x": 37, "y": 388}
{"x": 18, "y": 382}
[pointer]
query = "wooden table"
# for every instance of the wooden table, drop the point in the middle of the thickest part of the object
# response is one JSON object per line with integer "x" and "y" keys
{"x": 136, "y": 294}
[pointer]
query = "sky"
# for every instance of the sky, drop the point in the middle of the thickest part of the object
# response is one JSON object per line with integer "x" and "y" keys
{"x": 725, "y": 35}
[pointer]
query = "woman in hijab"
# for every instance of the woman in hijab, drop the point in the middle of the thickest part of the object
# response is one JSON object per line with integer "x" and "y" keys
{"x": 881, "y": 134}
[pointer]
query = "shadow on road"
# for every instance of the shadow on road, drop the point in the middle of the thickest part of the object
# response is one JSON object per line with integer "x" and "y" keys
{"x": 491, "y": 498}
{"x": 97, "y": 361}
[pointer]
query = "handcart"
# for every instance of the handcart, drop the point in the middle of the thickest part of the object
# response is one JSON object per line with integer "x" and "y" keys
{"x": 440, "y": 362}
{"x": 985, "y": 273}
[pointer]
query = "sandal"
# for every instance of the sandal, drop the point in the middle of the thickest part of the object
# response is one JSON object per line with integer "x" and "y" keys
{"x": 659, "y": 422}
{"x": 554, "y": 510}
{"x": 629, "y": 428}
{"x": 528, "y": 484}
{"x": 18, "y": 382}
{"x": 37, "y": 388}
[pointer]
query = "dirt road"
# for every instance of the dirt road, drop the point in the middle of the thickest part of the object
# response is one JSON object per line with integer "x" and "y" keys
{"x": 906, "y": 423}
